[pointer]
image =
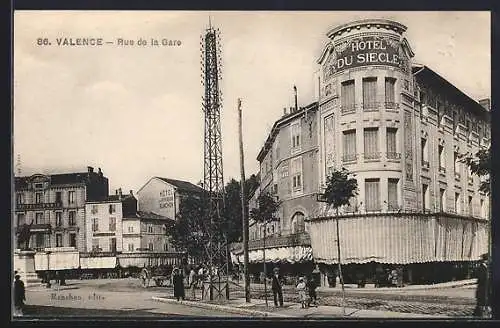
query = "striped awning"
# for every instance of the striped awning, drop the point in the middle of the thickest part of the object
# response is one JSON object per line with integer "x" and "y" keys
{"x": 398, "y": 239}
{"x": 295, "y": 254}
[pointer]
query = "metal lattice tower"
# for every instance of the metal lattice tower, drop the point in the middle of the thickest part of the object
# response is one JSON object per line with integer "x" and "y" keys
{"x": 216, "y": 250}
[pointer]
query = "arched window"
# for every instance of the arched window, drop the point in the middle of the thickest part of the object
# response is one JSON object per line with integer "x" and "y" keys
{"x": 298, "y": 224}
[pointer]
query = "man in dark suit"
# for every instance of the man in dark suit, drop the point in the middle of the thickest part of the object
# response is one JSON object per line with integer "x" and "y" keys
{"x": 19, "y": 295}
{"x": 277, "y": 287}
{"x": 483, "y": 290}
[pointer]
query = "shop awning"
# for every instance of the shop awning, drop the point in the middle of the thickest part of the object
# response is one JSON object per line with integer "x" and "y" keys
{"x": 295, "y": 254}
{"x": 398, "y": 239}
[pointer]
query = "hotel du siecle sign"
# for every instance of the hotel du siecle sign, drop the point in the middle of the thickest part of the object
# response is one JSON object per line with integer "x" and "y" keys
{"x": 365, "y": 51}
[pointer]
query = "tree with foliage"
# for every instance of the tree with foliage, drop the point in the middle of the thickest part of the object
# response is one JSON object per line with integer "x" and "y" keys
{"x": 232, "y": 210}
{"x": 187, "y": 234}
{"x": 341, "y": 186}
{"x": 480, "y": 165}
{"x": 265, "y": 213}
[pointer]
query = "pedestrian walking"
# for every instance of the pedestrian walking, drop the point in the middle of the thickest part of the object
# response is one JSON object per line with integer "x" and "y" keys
{"x": 311, "y": 288}
{"x": 301, "y": 288}
{"x": 19, "y": 296}
{"x": 177, "y": 281}
{"x": 482, "y": 309}
{"x": 192, "y": 283}
{"x": 277, "y": 287}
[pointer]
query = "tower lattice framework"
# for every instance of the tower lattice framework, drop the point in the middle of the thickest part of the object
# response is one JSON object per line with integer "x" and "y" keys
{"x": 216, "y": 247}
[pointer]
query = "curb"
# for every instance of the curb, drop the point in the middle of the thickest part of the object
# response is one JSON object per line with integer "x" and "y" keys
{"x": 225, "y": 308}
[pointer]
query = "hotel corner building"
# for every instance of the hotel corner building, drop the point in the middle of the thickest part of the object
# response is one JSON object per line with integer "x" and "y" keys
{"x": 400, "y": 128}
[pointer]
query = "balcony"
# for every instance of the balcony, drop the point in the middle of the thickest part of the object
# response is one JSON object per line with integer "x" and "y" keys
{"x": 391, "y": 105}
{"x": 470, "y": 179}
{"x": 349, "y": 108}
{"x": 372, "y": 156}
{"x": 39, "y": 227}
{"x": 371, "y": 106}
{"x": 38, "y": 206}
{"x": 299, "y": 239}
{"x": 442, "y": 170}
{"x": 425, "y": 164}
{"x": 393, "y": 155}
{"x": 349, "y": 158}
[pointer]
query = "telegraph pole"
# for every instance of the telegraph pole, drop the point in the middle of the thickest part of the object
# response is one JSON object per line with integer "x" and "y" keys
{"x": 244, "y": 215}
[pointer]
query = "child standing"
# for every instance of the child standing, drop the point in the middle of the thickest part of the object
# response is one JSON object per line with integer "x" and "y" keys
{"x": 301, "y": 288}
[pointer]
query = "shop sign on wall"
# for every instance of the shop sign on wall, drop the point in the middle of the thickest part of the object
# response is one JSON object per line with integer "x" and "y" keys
{"x": 365, "y": 51}
{"x": 166, "y": 198}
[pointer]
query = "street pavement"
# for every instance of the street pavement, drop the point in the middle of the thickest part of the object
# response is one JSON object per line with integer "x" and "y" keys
{"x": 126, "y": 297}
{"x": 89, "y": 298}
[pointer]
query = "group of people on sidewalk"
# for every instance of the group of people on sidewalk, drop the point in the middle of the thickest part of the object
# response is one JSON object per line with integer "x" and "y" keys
{"x": 306, "y": 289}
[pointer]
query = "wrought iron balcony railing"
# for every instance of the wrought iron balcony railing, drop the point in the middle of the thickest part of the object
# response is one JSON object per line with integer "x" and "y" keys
{"x": 371, "y": 156}
{"x": 299, "y": 239}
{"x": 393, "y": 155}
{"x": 348, "y": 108}
{"x": 371, "y": 106}
{"x": 391, "y": 105}
{"x": 425, "y": 164}
{"x": 38, "y": 206}
{"x": 349, "y": 158}
{"x": 442, "y": 170}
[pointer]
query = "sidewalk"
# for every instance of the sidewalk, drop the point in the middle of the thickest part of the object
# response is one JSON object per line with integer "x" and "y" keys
{"x": 257, "y": 308}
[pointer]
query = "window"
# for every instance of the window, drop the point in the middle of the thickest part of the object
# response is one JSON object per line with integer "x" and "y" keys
{"x": 39, "y": 240}
{"x": 423, "y": 152}
{"x": 39, "y": 218}
{"x": 298, "y": 224}
{"x": 390, "y": 102}
{"x": 349, "y": 145}
{"x": 455, "y": 120}
{"x": 130, "y": 247}
{"x": 21, "y": 219}
{"x": 471, "y": 212}
{"x": 58, "y": 240}
{"x": 297, "y": 174}
{"x": 392, "y": 152}
{"x": 372, "y": 194}
{"x": 130, "y": 228}
{"x": 284, "y": 171}
{"x": 457, "y": 203}
{"x": 58, "y": 197}
{"x": 165, "y": 247}
{"x": 20, "y": 198}
{"x": 112, "y": 224}
{"x": 95, "y": 224}
{"x": 150, "y": 228}
{"x": 38, "y": 197}
{"x": 72, "y": 239}
{"x": 59, "y": 219}
{"x": 442, "y": 197}
{"x": 371, "y": 143}
{"x": 347, "y": 96}
{"x": 71, "y": 197}
{"x": 295, "y": 134}
{"x": 456, "y": 160}
{"x": 150, "y": 246}
{"x": 482, "y": 207}
{"x": 370, "y": 93}
{"x": 112, "y": 244}
{"x": 72, "y": 218}
{"x": 112, "y": 208}
{"x": 425, "y": 197}
{"x": 95, "y": 245}
{"x": 392, "y": 188}
{"x": 441, "y": 158}
{"x": 95, "y": 209}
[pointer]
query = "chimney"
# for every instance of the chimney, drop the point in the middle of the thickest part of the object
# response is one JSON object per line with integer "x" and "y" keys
{"x": 116, "y": 192}
{"x": 284, "y": 111}
{"x": 120, "y": 193}
{"x": 292, "y": 110}
{"x": 131, "y": 193}
{"x": 486, "y": 103}
{"x": 100, "y": 172}
{"x": 295, "y": 96}
{"x": 90, "y": 169}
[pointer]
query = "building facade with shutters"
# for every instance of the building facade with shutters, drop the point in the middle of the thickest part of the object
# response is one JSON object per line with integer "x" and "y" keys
{"x": 288, "y": 170}
{"x": 400, "y": 127}
{"x": 55, "y": 205}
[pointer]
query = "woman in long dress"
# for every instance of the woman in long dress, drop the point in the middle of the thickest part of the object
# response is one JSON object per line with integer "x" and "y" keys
{"x": 178, "y": 283}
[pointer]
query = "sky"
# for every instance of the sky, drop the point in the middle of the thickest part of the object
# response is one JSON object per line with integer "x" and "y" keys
{"x": 135, "y": 111}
